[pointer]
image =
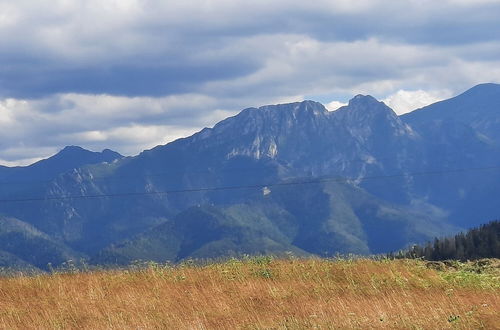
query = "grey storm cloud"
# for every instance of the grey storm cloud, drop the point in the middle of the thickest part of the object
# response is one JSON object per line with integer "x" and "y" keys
{"x": 86, "y": 72}
{"x": 162, "y": 47}
{"x": 155, "y": 79}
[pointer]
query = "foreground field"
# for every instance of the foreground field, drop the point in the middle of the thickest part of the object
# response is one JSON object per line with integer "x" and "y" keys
{"x": 260, "y": 293}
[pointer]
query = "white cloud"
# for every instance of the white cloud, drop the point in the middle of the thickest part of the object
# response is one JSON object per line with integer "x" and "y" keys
{"x": 15, "y": 154}
{"x": 132, "y": 139}
{"x": 404, "y": 101}
{"x": 472, "y": 2}
{"x": 30, "y": 129}
{"x": 334, "y": 105}
{"x": 21, "y": 162}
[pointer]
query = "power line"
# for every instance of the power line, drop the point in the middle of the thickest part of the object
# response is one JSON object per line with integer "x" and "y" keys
{"x": 162, "y": 174}
{"x": 170, "y": 172}
{"x": 255, "y": 186}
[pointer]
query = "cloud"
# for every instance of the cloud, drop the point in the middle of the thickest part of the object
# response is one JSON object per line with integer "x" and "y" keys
{"x": 78, "y": 72}
{"x": 131, "y": 139}
{"x": 405, "y": 101}
{"x": 334, "y": 105}
{"x": 154, "y": 48}
{"x": 37, "y": 128}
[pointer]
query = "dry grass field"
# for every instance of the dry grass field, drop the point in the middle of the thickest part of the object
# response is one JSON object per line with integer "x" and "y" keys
{"x": 259, "y": 293}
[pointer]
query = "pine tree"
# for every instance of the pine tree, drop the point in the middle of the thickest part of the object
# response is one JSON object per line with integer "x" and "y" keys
{"x": 482, "y": 242}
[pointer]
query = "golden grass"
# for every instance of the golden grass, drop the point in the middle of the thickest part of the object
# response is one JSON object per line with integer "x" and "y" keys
{"x": 258, "y": 293}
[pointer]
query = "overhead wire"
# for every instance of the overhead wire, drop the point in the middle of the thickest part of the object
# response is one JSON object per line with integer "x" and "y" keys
{"x": 159, "y": 174}
{"x": 5, "y": 181}
{"x": 252, "y": 186}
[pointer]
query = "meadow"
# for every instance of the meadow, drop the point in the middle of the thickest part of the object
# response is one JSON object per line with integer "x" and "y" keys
{"x": 259, "y": 293}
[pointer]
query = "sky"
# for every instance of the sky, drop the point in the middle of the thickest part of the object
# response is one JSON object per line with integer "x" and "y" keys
{"x": 132, "y": 74}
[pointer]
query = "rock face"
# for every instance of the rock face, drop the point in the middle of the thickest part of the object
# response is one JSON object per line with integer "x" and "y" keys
{"x": 289, "y": 177}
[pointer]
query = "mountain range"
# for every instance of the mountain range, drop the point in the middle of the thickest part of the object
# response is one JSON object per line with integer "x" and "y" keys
{"x": 288, "y": 178}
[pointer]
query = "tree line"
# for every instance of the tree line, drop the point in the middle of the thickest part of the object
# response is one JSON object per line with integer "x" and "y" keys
{"x": 481, "y": 242}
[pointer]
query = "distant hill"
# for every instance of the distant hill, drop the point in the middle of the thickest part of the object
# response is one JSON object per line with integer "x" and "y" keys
{"x": 289, "y": 177}
{"x": 22, "y": 244}
{"x": 67, "y": 159}
{"x": 9, "y": 263}
{"x": 344, "y": 220}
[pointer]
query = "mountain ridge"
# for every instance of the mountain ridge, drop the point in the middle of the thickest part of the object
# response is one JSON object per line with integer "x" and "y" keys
{"x": 377, "y": 202}
{"x": 66, "y": 159}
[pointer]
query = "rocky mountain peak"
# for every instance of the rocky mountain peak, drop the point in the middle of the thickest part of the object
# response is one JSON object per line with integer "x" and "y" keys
{"x": 270, "y": 116}
{"x": 365, "y": 118}
{"x": 77, "y": 152}
{"x": 365, "y": 108}
{"x": 72, "y": 157}
{"x": 72, "y": 150}
{"x": 296, "y": 109}
{"x": 363, "y": 100}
